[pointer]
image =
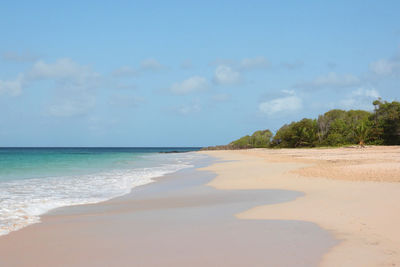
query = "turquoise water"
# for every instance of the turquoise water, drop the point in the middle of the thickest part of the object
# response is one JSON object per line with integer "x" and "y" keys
{"x": 21, "y": 163}
{"x": 36, "y": 180}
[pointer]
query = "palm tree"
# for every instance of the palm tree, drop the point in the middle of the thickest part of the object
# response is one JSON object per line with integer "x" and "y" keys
{"x": 361, "y": 133}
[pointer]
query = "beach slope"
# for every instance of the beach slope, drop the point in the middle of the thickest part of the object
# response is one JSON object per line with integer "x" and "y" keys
{"x": 352, "y": 192}
{"x": 175, "y": 221}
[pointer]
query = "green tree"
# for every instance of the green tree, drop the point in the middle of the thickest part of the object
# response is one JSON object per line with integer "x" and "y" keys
{"x": 243, "y": 142}
{"x": 259, "y": 139}
{"x": 335, "y": 127}
{"x": 386, "y": 122}
{"x": 297, "y": 134}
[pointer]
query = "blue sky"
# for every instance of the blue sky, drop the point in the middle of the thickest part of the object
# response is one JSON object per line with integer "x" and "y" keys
{"x": 187, "y": 73}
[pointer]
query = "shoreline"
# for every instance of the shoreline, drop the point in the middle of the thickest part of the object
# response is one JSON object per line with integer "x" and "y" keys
{"x": 20, "y": 212}
{"x": 179, "y": 219}
{"x": 351, "y": 193}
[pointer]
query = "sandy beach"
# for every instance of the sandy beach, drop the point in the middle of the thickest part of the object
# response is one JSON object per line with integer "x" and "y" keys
{"x": 176, "y": 221}
{"x": 353, "y": 193}
{"x": 200, "y": 133}
{"x": 259, "y": 207}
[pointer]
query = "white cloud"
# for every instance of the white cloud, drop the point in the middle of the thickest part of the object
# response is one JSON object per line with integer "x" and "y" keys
{"x": 65, "y": 72}
{"x": 385, "y": 67}
{"x": 73, "y": 91}
{"x": 192, "y": 84}
{"x": 12, "y": 87}
{"x": 372, "y": 93}
{"x": 63, "y": 68}
{"x": 254, "y": 63}
{"x": 151, "y": 64}
{"x": 331, "y": 80}
{"x": 124, "y": 71}
{"x": 249, "y": 63}
{"x": 286, "y": 104}
{"x": 225, "y": 75}
{"x": 73, "y": 86}
{"x": 360, "y": 99}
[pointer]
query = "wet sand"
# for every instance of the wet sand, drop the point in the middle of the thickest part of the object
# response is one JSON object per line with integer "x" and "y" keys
{"x": 176, "y": 221}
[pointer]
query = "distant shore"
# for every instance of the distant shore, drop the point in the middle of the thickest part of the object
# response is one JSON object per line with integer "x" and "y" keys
{"x": 354, "y": 193}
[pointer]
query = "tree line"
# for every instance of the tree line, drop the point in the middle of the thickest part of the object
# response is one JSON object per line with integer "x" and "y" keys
{"x": 334, "y": 128}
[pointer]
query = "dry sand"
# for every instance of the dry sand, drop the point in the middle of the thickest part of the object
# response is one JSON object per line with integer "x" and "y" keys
{"x": 352, "y": 192}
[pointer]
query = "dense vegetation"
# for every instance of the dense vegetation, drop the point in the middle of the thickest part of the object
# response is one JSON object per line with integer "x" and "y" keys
{"x": 334, "y": 128}
{"x": 257, "y": 139}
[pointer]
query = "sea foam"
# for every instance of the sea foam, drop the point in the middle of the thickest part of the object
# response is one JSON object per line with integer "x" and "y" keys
{"x": 23, "y": 201}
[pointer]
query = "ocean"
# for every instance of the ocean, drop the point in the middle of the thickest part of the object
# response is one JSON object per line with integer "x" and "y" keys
{"x": 36, "y": 180}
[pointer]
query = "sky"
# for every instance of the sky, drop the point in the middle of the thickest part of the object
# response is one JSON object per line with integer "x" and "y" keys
{"x": 187, "y": 73}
